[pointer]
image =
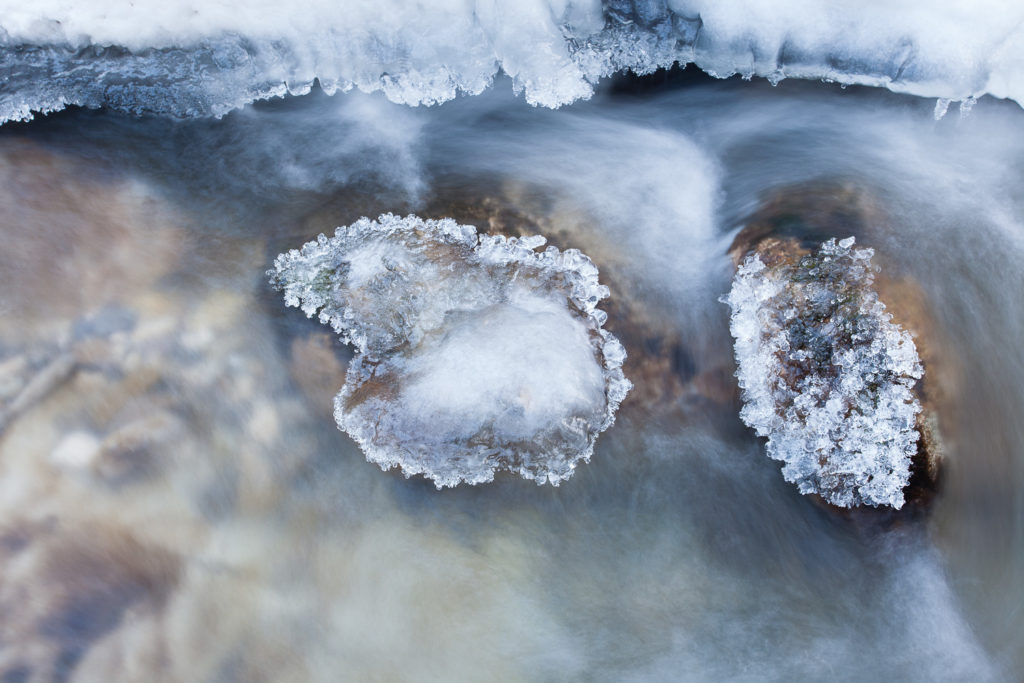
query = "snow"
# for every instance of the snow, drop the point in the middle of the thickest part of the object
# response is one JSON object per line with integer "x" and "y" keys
{"x": 826, "y": 375}
{"x": 474, "y": 353}
{"x": 184, "y": 58}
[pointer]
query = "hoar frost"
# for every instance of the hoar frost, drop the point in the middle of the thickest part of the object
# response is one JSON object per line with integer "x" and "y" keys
{"x": 826, "y": 375}
{"x": 475, "y": 353}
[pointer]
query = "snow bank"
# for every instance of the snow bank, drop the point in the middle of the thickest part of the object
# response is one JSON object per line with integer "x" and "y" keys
{"x": 185, "y": 58}
{"x": 826, "y": 375}
{"x": 474, "y": 353}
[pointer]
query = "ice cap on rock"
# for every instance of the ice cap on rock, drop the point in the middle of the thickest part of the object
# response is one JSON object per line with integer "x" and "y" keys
{"x": 826, "y": 375}
{"x": 475, "y": 353}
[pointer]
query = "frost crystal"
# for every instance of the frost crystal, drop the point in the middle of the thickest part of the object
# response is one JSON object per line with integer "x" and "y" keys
{"x": 826, "y": 375}
{"x": 474, "y": 353}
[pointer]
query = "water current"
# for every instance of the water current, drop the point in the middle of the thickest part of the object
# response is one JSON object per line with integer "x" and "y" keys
{"x": 177, "y": 503}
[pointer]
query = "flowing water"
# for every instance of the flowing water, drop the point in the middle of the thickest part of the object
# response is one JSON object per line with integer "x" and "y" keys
{"x": 176, "y": 502}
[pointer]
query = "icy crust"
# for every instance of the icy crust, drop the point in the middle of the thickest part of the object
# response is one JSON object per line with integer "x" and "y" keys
{"x": 181, "y": 58}
{"x": 475, "y": 353}
{"x": 826, "y": 375}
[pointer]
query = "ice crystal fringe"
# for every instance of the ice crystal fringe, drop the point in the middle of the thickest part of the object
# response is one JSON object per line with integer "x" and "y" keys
{"x": 826, "y": 375}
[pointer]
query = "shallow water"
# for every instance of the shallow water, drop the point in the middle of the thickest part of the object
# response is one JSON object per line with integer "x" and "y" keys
{"x": 175, "y": 496}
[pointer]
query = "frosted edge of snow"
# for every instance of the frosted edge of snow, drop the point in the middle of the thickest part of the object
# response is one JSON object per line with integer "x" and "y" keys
{"x": 213, "y": 74}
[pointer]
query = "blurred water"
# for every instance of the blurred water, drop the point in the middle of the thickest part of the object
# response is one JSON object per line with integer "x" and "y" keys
{"x": 176, "y": 502}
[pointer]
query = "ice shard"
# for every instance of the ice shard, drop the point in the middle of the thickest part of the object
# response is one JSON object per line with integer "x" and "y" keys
{"x": 475, "y": 353}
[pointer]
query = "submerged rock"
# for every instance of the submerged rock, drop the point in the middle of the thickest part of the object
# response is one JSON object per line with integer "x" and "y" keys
{"x": 474, "y": 353}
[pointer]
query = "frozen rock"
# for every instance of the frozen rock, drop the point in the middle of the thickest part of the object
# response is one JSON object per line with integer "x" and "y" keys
{"x": 475, "y": 353}
{"x": 825, "y": 373}
{"x": 316, "y": 369}
{"x": 69, "y": 584}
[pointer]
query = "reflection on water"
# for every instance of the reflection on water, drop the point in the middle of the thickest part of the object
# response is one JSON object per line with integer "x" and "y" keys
{"x": 176, "y": 502}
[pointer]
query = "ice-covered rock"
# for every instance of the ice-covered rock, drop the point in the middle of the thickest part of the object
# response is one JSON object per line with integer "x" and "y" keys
{"x": 186, "y": 58}
{"x": 475, "y": 353}
{"x": 826, "y": 374}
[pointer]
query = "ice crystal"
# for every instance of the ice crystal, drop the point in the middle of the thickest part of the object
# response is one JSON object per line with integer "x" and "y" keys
{"x": 475, "y": 353}
{"x": 826, "y": 375}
